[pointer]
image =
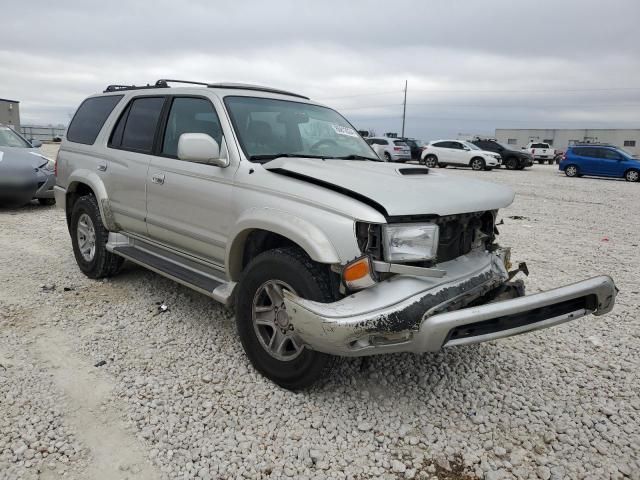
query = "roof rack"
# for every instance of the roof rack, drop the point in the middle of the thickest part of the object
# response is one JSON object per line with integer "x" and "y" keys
{"x": 591, "y": 144}
{"x": 164, "y": 83}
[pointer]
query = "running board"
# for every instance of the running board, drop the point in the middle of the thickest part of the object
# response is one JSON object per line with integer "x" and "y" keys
{"x": 185, "y": 272}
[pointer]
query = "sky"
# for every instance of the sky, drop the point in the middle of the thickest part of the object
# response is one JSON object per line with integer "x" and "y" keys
{"x": 471, "y": 66}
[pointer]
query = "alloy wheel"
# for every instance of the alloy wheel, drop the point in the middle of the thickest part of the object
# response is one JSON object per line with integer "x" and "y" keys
{"x": 271, "y": 321}
{"x": 86, "y": 234}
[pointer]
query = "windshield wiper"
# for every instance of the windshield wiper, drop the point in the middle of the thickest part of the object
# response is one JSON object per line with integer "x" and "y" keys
{"x": 272, "y": 156}
{"x": 357, "y": 157}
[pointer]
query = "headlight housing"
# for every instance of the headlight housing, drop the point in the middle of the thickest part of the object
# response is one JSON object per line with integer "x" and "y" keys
{"x": 410, "y": 242}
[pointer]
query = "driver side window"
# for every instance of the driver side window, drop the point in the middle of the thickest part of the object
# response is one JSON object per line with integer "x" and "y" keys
{"x": 190, "y": 115}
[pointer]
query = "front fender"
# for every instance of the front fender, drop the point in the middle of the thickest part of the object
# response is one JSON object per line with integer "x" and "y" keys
{"x": 302, "y": 232}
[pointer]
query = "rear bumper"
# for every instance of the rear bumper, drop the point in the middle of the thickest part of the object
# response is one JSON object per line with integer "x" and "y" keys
{"x": 60, "y": 196}
{"x": 383, "y": 320}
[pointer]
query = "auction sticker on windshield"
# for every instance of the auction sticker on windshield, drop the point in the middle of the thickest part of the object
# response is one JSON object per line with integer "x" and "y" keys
{"x": 340, "y": 130}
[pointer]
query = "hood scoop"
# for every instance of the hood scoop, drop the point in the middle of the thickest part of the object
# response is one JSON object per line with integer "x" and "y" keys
{"x": 413, "y": 171}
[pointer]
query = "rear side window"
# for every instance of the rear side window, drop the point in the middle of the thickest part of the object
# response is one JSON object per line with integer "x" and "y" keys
{"x": 585, "y": 152}
{"x": 90, "y": 117}
{"x": 539, "y": 145}
{"x": 136, "y": 128}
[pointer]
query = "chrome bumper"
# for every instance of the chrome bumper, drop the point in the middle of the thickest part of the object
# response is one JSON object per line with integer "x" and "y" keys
{"x": 383, "y": 319}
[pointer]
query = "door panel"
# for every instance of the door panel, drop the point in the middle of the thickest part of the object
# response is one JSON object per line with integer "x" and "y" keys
{"x": 189, "y": 204}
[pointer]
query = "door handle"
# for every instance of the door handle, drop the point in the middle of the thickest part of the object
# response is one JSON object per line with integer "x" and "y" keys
{"x": 102, "y": 167}
{"x": 158, "y": 178}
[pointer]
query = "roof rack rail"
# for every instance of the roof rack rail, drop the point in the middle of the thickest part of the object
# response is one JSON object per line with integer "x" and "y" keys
{"x": 596, "y": 144}
{"x": 119, "y": 88}
{"x": 164, "y": 83}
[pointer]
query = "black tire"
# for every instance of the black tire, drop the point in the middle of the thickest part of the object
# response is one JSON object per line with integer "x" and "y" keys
{"x": 511, "y": 163}
{"x": 477, "y": 163}
{"x": 431, "y": 161}
{"x": 442, "y": 165}
{"x": 47, "y": 202}
{"x": 293, "y": 267}
{"x": 571, "y": 171}
{"x": 551, "y": 161}
{"x": 488, "y": 169}
{"x": 103, "y": 263}
{"x": 387, "y": 157}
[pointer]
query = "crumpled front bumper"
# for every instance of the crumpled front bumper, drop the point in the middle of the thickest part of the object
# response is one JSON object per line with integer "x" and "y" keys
{"x": 417, "y": 314}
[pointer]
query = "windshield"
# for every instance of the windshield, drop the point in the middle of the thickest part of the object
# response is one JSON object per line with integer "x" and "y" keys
{"x": 626, "y": 152}
{"x": 471, "y": 145}
{"x": 268, "y": 128}
{"x": 9, "y": 138}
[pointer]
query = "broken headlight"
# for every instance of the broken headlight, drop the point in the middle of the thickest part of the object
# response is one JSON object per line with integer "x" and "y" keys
{"x": 410, "y": 242}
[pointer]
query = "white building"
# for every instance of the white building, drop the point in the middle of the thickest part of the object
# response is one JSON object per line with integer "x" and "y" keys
{"x": 560, "y": 138}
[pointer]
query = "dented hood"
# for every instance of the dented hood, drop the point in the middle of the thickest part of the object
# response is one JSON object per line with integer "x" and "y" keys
{"x": 384, "y": 186}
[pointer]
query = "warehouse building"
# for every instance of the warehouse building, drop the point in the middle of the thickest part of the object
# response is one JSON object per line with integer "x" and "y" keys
{"x": 10, "y": 112}
{"x": 561, "y": 138}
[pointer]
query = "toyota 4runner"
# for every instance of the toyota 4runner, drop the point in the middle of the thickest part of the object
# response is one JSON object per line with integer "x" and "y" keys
{"x": 268, "y": 201}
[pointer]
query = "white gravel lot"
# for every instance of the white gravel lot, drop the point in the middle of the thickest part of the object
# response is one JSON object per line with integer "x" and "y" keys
{"x": 178, "y": 399}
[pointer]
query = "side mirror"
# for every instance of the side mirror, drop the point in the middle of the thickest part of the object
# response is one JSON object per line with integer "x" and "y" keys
{"x": 36, "y": 143}
{"x": 200, "y": 148}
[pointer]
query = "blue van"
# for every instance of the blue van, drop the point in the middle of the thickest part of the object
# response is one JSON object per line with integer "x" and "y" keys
{"x": 600, "y": 160}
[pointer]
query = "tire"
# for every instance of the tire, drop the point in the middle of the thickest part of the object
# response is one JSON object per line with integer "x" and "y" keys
{"x": 99, "y": 262}
{"x": 431, "y": 161}
{"x": 47, "y": 202}
{"x": 387, "y": 157}
{"x": 289, "y": 268}
{"x": 551, "y": 161}
{"x": 477, "y": 163}
{"x": 571, "y": 171}
{"x": 632, "y": 175}
{"x": 511, "y": 163}
{"x": 488, "y": 169}
{"x": 442, "y": 165}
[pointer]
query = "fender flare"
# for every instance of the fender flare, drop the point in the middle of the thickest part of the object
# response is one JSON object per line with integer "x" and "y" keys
{"x": 302, "y": 232}
{"x": 94, "y": 182}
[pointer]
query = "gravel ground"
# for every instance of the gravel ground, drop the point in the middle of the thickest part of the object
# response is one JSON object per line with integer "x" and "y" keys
{"x": 176, "y": 397}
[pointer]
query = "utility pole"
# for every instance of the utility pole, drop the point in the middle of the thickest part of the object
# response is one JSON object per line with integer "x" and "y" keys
{"x": 404, "y": 107}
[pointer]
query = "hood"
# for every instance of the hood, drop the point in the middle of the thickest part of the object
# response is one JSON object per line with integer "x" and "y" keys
{"x": 17, "y": 159}
{"x": 397, "y": 189}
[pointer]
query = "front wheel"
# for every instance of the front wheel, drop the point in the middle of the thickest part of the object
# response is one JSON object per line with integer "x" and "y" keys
{"x": 263, "y": 323}
{"x": 632, "y": 176}
{"x": 89, "y": 239}
{"x": 477, "y": 164}
{"x": 511, "y": 163}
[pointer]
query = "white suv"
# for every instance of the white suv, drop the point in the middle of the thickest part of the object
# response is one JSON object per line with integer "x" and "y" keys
{"x": 390, "y": 149}
{"x": 459, "y": 153}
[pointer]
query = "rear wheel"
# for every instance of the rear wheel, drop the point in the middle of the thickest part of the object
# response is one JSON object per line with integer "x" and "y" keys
{"x": 632, "y": 176}
{"x": 511, "y": 163}
{"x": 431, "y": 161}
{"x": 477, "y": 164}
{"x": 387, "y": 157}
{"x": 89, "y": 239}
{"x": 265, "y": 331}
{"x": 571, "y": 171}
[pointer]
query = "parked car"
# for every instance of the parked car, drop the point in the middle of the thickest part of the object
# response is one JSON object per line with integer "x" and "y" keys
{"x": 600, "y": 160}
{"x": 541, "y": 152}
{"x": 460, "y": 154}
{"x": 25, "y": 173}
{"x": 511, "y": 158}
{"x": 416, "y": 147}
{"x": 267, "y": 200}
{"x": 390, "y": 149}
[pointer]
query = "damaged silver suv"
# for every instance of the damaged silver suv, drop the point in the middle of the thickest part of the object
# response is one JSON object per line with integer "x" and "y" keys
{"x": 268, "y": 201}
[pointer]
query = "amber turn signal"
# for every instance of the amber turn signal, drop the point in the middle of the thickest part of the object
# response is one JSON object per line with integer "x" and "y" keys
{"x": 358, "y": 274}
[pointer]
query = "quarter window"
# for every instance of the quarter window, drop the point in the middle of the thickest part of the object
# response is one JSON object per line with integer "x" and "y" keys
{"x": 90, "y": 117}
{"x": 136, "y": 128}
{"x": 190, "y": 115}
